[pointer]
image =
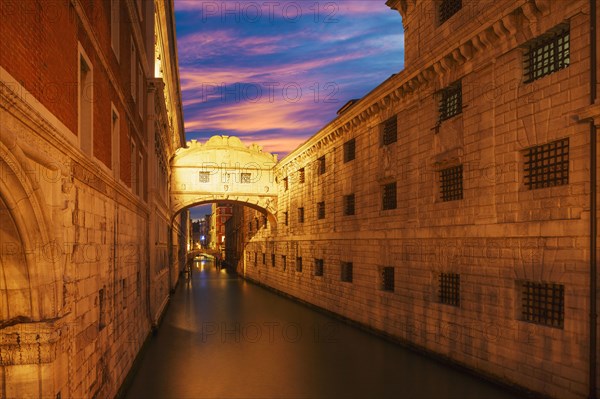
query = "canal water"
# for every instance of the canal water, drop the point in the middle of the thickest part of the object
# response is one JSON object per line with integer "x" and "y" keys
{"x": 223, "y": 337}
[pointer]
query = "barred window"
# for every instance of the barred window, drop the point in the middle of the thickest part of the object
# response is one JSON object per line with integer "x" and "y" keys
{"x": 346, "y": 275}
{"x": 548, "y": 54}
{"x": 285, "y": 184}
{"x": 389, "y": 196}
{"x": 448, "y": 8}
{"x": 389, "y": 131}
{"x": 204, "y": 177}
{"x": 387, "y": 278}
{"x": 284, "y": 261}
{"x": 319, "y": 267}
{"x": 300, "y": 215}
{"x": 321, "y": 163}
{"x": 301, "y": 176}
{"x": 299, "y": 264}
{"x": 543, "y": 303}
{"x": 450, "y": 101}
{"x": 245, "y": 178}
{"x": 449, "y": 292}
{"x": 451, "y": 183}
{"x": 349, "y": 150}
{"x": 321, "y": 210}
{"x": 547, "y": 165}
{"x": 349, "y": 205}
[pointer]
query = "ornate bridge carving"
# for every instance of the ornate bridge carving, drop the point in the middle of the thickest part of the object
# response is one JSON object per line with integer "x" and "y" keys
{"x": 224, "y": 169}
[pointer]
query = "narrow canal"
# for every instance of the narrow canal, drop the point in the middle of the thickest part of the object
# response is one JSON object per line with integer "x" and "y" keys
{"x": 223, "y": 337}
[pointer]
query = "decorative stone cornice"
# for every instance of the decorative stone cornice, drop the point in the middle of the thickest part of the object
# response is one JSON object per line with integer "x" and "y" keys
{"x": 404, "y": 84}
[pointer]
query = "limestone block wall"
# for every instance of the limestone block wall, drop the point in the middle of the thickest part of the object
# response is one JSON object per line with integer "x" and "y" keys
{"x": 499, "y": 235}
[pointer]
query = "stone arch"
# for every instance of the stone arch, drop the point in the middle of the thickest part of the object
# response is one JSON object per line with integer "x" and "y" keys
{"x": 224, "y": 170}
{"x": 30, "y": 279}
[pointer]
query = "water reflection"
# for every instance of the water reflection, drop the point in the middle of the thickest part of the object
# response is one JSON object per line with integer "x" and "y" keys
{"x": 226, "y": 338}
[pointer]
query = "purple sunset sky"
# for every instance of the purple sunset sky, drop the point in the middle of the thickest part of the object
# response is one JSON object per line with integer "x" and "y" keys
{"x": 275, "y": 72}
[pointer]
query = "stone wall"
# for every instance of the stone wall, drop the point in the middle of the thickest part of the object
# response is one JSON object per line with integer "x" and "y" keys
{"x": 77, "y": 294}
{"x": 498, "y": 235}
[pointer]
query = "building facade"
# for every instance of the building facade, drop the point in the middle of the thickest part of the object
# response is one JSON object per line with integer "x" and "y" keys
{"x": 90, "y": 115}
{"x": 453, "y": 207}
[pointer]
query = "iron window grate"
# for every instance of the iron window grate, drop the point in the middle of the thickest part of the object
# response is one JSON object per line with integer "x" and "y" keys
{"x": 547, "y": 165}
{"x": 299, "y": 264}
{"x": 449, "y": 293}
{"x": 450, "y": 102}
{"x": 390, "y": 131}
{"x": 319, "y": 267}
{"x": 389, "y": 196}
{"x": 204, "y": 177}
{"x": 387, "y": 278}
{"x": 543, "y": 303}
{"x": 301, "y": 175}
{"x": 448, "y": 8}
{"x": 300, "y": 215}
{"x": 322, "y": 166}
{"x": 349, "y": 150}
{"x": 451, "y": 183}
{"x": 548, "y": 54}
{"x": 245, "y": 178}
{"x": 346, "y": 275}
{"x": 321, "y": 210}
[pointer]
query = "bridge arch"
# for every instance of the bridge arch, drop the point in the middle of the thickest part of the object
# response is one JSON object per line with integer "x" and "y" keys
{"x": 224, "y": 170}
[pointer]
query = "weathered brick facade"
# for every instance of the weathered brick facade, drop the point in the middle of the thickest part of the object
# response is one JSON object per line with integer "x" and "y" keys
{"x": 471, "y": 198}
{"x": 86, "y": 126}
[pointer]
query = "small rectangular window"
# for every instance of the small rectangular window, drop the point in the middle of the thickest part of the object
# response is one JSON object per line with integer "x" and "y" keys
{"x": 448, "y": 8}
{"x": 140, "y": 83}
{"x": 115, "y": 25}
{"x": 346, "y": 275}
{"x": 450, "y": 101}
{"x": 548, "y": 53}
{"x": 319, "y": 267}
{"x": 349, "y": 150}
{"x": 272, "y": 260}
{"x": 245, "y": 178}
{"x": 451, "y": 183}
{"x": 101, "y": 309}
{"x": 301, "y": 175}
{"x": 264, "y": 258}
{"x": 124, "y": 293}
{"x": 138, "y": 284}
{"x": 349, "y": 205}
{"x": 133, "y": 162}
{"x": 387, "y": 278}
{"x": 284, "y": 262}
{"x": 249, "y": 227}
{"x": 286, "y": 218}
{"x": 204, "y": 177}
{"x": 320, "y": 210}
{"x": 547, "y": 165}
{"x": 132, "y": 75}
{"x": 449, "y": 292}
{"x": 300, "y": 215}
{"x": 114, "y": 132}
{"x": 322, "y": 165}
{"x": 389, "y": 131}
{"x": 285, "y": 184}
{"x": 255, "y": 258}
{"x": 299, "y": 264}
{"x": 543, "y": 303}
{"x": 389, "y": 196}
{"x": 86, "y": 102}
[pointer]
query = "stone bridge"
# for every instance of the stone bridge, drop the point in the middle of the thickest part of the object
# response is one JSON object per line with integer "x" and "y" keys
{"x": 224, "y": 170}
